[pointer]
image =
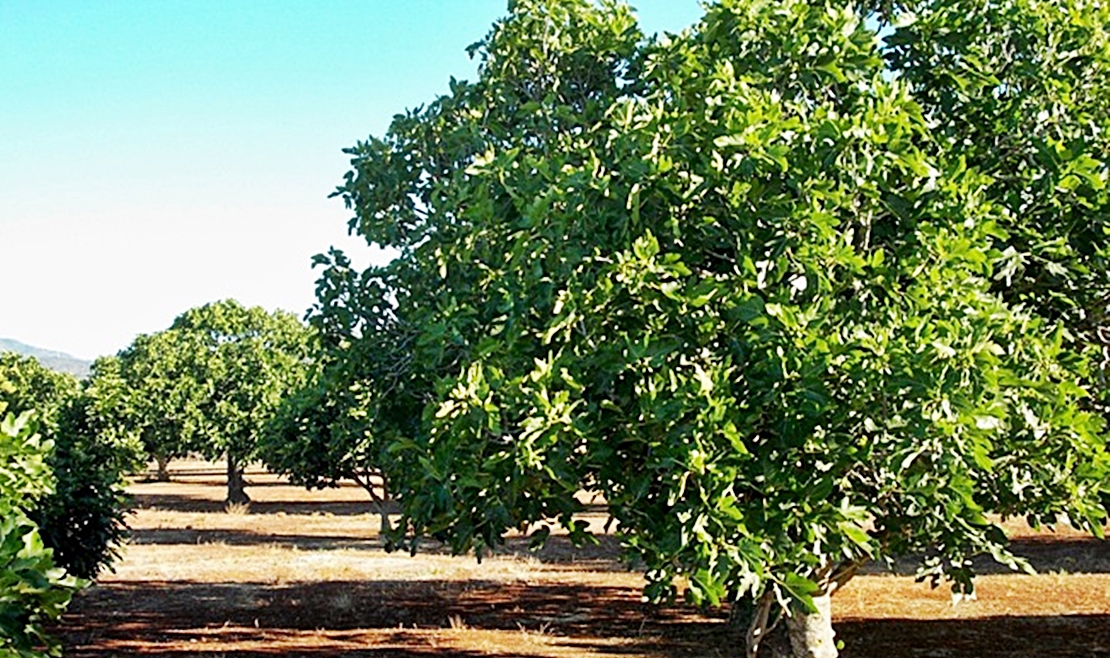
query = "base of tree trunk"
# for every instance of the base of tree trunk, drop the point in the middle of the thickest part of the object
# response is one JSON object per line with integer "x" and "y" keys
{"x": 163, "y": 470}
{"x": 802, "y": 635}
{"x": 240, "y": 498}
{"x": 236, "y": 485}
{"x": 811, "y": 634}
{"x": 776, "y": 644}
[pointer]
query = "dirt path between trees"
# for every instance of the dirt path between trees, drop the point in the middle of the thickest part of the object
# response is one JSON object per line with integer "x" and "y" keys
{"x": 304, "y": 574}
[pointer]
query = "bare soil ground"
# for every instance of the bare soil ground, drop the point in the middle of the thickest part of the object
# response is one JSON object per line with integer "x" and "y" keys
{"x": 304, "y": 574}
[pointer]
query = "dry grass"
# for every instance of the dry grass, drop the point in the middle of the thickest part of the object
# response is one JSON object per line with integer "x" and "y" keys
{"x": 304, "y": 574}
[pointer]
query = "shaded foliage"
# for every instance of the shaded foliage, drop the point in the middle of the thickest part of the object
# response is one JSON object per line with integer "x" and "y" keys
{"x": 320, "y": 437}
{"x": 84, "y": 520}
{"x": 1018, "y": 90}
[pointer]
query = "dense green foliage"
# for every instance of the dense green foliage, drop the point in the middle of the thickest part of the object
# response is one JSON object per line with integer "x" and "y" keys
{"x": 212, "y": 381}
{"x": 1020, "y": 90}
{"x": 788, "y": 296}
{"x": 84, "y": 520}
{"x": 83, "y": 517}
{"x": 159, "y": 404}
{"x": 27, "y": 385}
{"x": 320, "y": 436}
{"x": 32, "y": 589}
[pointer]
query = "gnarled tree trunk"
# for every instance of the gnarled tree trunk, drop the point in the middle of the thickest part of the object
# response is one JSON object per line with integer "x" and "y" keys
{"x": 163, "y": 468}
{"x": 379, "y": 502}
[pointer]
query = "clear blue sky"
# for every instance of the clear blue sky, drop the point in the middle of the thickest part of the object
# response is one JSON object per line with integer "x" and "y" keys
{"x": 155, "y": 156}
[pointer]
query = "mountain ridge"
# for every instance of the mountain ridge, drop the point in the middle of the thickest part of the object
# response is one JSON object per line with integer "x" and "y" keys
{"x": 52, "y": 359}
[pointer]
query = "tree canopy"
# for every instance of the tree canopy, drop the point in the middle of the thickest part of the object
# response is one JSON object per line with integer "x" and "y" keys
{"x": 27, "y": 385}
{"x": 319, "y": 436}
{"x": 212, "y": 381}
{"x": 84, "y": 519}
{"x": 1019, "y": 91}
{"x": 789, "y": 295}
{"x": 161, "y": 396}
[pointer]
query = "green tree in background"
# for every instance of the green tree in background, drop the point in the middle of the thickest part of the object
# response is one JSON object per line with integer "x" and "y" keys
{"x": 82, "y": 518}
{"x": 767, "y": 285}
{"x": 320, "y": 436}
{"x": 27, "y": 385}
{"x": 161, "y": 396}
{"x": 327, "y": 431}
{"x": 1020, "y": 91}
{"x": 224, "y": 369}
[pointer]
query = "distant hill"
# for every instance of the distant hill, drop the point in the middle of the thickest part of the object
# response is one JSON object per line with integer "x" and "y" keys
{"x": 59, "y": 361}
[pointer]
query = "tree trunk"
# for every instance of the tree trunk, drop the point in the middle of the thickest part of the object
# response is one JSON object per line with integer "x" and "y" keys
{"x": 163, "y": 468}
{"x": 379, "y": 503}
{"x": 801, "y": 635}
{"x": 383, "y": 505}
{"x": 811, "y": 634}
{"x": 762, "y": 636}
{"x": 236, "y": 495}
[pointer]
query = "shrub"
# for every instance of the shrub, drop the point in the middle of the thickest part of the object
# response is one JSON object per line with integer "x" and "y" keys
{"x": 32, "y": 588}
{"x": 82, "y": 517}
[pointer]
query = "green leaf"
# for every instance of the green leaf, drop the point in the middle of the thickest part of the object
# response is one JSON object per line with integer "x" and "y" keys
{"x": 801, "y": 590}
{"x": 857, "y": 536}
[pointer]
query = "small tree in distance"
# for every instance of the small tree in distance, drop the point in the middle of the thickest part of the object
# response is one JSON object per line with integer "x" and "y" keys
{"x": 754, "y": 283}
{"x": 212, "y": 381}
{"x": 319, "y": 438}
{"x": 333, "y": 429}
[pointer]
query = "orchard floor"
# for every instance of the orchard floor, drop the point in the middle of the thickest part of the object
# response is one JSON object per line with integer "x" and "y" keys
{"x": 304, "y": 574}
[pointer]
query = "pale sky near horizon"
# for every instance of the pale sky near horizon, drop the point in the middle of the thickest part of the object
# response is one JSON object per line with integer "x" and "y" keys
{"x": 155, "y": 156}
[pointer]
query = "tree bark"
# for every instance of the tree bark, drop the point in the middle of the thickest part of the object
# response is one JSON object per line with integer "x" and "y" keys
{"x": 163, "y": 468}
{"x": 383, "y": 504}
{"x": 811, "y": 634}
{"x": 764, "y": 635}
{"x": 236, "y": 494}
{"x": 802, "y": 634}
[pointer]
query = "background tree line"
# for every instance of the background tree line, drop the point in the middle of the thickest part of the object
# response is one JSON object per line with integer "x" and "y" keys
{"x": 206, "y": 385}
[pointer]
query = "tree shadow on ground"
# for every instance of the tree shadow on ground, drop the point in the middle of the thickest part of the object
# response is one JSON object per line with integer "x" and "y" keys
{"x": 187, "y": 503}
{"x": 1069, "y": 636}
{"x": 601, "y": 556}
{"x": 180, "y": 502}
{"x": 1046, "y": 554}
{"x": 242, "y": 537}
{"x": 405, "y": 618}
{"x": 153, "y": 618}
